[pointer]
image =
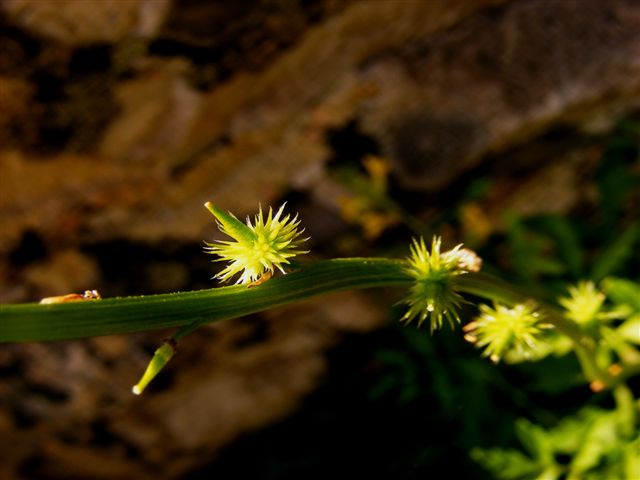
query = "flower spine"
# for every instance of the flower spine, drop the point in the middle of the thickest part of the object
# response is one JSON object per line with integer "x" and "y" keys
{"x": 257, "y": 248}
{"x": 500, "y": 330}
{"x": 432, "y": 295}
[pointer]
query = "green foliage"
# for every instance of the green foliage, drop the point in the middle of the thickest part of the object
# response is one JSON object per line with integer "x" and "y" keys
{"x": 459, "y": 386}
{"x": 532, "y": 250}
{"x": 623, "y": 292}
{"x": 616, "y": 181}
{"x": 613, "y": 258}
{"x": 593, "y": 444}
{"x": 546, "y": 251}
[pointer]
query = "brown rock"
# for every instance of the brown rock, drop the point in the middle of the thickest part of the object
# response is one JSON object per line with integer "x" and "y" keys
{"x": 84, "y": 22}
{"x": 437, "y": 85}
{"x": 67, "y": 271}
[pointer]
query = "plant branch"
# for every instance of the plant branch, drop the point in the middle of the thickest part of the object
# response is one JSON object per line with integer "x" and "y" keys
{"x": 64, "y": 321}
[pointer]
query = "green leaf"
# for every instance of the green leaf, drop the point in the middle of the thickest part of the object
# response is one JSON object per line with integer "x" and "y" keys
{"x": 616, "y": 177}
{"x": 400, "y": 375}
{"x": 596, "y": 439}
{"x": 568, "y": 436}
{"x": 530, "y": 251}
{"x": 630, "y": 330}
{"x": 566, "y": 241}
{"x": 600, "y": 438}
{"x": 507, "y": 464}
{"x": 631, "y": 459}
{"x": 611, "y": 259}
{"x": 535, "y": 440}
{"x": 623, "y": 292}
{"x": 555, "y": 372}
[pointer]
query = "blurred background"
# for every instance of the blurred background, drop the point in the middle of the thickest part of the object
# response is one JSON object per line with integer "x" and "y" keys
{"x": 510, "y": 125}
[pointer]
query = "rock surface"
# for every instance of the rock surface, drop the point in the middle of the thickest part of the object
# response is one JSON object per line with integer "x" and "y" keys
{"x": 119, "y": 119}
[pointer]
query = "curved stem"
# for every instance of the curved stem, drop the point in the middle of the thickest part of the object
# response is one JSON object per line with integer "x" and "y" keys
{"x": 63, "y": 321}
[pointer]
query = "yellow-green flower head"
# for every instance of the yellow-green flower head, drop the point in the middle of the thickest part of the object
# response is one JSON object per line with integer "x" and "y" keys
{"x": 432, "y": 295}
{"x": 584, "y": 303}
{"x": 502, "y": 329}
{"x": 257, "y": 248}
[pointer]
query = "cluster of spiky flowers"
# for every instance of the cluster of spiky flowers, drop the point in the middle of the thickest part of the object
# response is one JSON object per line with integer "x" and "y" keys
{"x": 257, "y": 248}
{"x": 584, "y": 303}
{"x": 432, "y": 295}
{"x": 501, "y": 329}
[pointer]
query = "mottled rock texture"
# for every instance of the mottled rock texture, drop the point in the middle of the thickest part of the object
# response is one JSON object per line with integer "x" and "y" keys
{"x": 119, "y": 119}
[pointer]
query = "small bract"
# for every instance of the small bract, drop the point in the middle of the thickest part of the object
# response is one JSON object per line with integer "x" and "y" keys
{"x": 257, "y": 248}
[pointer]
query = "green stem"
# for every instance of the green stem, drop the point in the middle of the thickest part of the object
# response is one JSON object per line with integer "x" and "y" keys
{"x": 64, "y": 321}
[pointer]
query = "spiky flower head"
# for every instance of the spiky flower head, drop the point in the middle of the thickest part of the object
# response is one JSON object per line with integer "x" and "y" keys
{"x": 258, "y": 247}
{"x": 432, "y": 295}
{"x": 501, "y": 330}
{"x": 583, "y": 303}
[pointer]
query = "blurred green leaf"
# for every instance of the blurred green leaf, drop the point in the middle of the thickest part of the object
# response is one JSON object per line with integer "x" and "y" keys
{"x": 612, "y": 258}
{"x": 594, "y": 440}
{"x": 623, "y": 292}
{"x": 530, "y": 251}
{"x": 478, "y": 188}
{"x": 567, "y": 242}
{"x": 400, "y": 376}
{"x": 567, "y": 435}
{"x": 630, "y": 330}
{"x": 535, "y": 441}
{"x": 631, "y": 459}
{"x": 507, "y": 464}
{"x": 600, "y": 437}
{"x": 614, "y": 177}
